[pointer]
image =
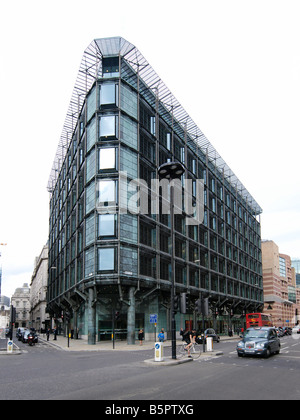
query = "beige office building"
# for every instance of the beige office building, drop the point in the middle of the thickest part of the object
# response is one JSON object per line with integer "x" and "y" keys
{"x": 281, "y": 296}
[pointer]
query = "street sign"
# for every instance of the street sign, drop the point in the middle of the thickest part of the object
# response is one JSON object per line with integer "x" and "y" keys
{"x": 153, "y": 319}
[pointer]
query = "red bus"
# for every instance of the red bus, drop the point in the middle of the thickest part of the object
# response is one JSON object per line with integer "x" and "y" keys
{"x": 258, "y": 320}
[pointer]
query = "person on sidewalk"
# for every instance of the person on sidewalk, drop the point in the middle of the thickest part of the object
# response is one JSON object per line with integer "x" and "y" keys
{"x": 141, "y": 337}
{"x": 55, "y": 333}
{"x": 48, "y": 333}
{"x": 161, "y": 336}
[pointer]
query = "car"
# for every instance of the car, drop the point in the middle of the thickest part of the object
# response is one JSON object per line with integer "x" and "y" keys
{"x": 19, "y": 333}
{"x": 286, "y": 331}
{"x": 296, "y": 329}
{"x": 279, "y": 332}
{"x": 260, "y": 341}
{"x": 25, "y": 334}
{"x": 209, "y": 332}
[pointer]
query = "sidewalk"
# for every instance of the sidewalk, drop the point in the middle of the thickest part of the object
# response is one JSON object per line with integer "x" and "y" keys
{"x": 82, "y": 345}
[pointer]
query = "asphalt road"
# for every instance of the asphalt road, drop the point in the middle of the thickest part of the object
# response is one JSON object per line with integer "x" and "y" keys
{"x": 43, "y": 372}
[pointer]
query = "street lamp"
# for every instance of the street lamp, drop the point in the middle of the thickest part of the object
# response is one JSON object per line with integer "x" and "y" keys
{"x": 171, "y": 171}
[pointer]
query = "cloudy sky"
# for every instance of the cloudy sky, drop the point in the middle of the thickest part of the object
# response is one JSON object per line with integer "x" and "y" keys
{"x": 234, "y": 65}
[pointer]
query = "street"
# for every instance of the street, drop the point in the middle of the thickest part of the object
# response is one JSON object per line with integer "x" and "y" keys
{"x": 42, "y": 372}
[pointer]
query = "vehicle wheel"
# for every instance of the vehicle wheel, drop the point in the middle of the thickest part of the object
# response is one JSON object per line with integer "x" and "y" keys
{"x": 240, "y": 355}
{"x": 180, "y": 352}
{"x": 268, "y": 353}
{"x": 196, "y": 351}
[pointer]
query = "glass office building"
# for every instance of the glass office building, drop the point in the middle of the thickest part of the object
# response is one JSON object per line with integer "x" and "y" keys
{"x": 109, "y": 251}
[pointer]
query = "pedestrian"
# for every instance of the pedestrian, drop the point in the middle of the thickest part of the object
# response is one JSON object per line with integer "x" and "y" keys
{"x": 55, "y": 333}
{"x": 161, "y": 336}
{"x": 181, "y": 332}
{"x": 141, "y": 337}
{"x": 48, "y": 333}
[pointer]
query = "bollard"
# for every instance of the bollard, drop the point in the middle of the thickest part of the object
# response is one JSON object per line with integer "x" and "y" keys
{"x": 209, "y": 341}
{"x": 10, "y": 346}
{"x": 158, "y": 352}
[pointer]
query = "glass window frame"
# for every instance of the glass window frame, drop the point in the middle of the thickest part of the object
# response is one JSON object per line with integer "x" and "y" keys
{"x": 109, "y": 167}
{"x": 108, "y": 95}
{"x": 108, "y": 130}
{"x": 103, "y": 235}
{"x": 106, "y": 257}
{"x": 109, "y": 202}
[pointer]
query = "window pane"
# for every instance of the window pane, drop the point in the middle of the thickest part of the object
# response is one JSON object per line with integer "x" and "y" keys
{"x": 106, "y": 259}
{"x": 110, "y": 66}
{"x": 108, "y": 126}
{"x": 107, "y": 191}
{"x": 108, "y": 94}
{"x": 107, "y": 158}
{"x": 107, "y": 225}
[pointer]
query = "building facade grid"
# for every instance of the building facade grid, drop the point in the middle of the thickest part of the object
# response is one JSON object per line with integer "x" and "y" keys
{"x": 102, "y": 257}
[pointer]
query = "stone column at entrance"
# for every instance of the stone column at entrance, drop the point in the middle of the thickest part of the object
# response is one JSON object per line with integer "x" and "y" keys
{"x": 91, "y": 318}
{"x": 131, "y": 317}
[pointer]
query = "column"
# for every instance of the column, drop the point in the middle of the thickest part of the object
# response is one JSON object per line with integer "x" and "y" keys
{"x": 91, "y": 318}
{"x": 131, "y": 317}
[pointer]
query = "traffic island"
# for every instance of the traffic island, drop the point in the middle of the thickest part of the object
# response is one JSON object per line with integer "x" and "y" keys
{"x": 168, "y": 361}
{"x": 4, "y": 352}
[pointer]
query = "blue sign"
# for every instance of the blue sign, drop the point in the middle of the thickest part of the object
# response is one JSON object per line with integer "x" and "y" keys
{"x": 153, "y": 318}
{"x": 157, "y": 346}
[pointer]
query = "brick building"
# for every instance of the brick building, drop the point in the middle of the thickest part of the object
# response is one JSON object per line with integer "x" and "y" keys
{"x": 281, "y": 294}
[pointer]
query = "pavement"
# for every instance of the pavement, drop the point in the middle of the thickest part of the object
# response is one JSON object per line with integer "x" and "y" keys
{"x": 64, "y": 344}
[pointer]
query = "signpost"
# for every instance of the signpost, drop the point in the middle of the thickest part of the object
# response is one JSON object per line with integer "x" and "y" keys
{"x": 153, "y": 320}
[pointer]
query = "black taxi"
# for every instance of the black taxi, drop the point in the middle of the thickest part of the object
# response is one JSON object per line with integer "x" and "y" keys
{"x": 260, "y": 341}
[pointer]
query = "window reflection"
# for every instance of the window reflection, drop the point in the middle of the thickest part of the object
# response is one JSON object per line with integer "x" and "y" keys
{"x": 107, "y": 158}
{"x": 107, "y": 225}
{"x": 108, "y": 126}
{"x": 106, "y": 259}
{"x": 107, "y": 191}
{"x": 108, "y": 94}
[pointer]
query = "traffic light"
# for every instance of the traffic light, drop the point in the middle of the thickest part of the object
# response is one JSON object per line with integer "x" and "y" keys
{"x": 204, "y": 307}
{"x": 117, "y": 315}
{"x": 183, "y": 303}
{"x": 13, "y": 314}
{"x": 176, "y": 303}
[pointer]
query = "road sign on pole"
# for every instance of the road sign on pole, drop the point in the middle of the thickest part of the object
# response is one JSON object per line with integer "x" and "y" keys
{"x": 153, "y": 318}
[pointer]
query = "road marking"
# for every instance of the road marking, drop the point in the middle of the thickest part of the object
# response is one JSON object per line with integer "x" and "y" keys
{"x": 290, "y": 357}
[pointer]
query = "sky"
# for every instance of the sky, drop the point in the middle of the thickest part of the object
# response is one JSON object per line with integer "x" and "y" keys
{"x": 234, "y": 65}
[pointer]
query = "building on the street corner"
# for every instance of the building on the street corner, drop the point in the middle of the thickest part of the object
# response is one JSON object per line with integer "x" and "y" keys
{"x": 38, "y": 291}
{"x": 20, "y": 300}
{"x": 110, "y": 240}
{"x": 281, "y": 294}
{"x": 4, "y": 312}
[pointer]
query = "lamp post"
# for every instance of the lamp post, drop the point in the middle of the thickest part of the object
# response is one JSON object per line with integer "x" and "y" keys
{"x": 171, "y": 171}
